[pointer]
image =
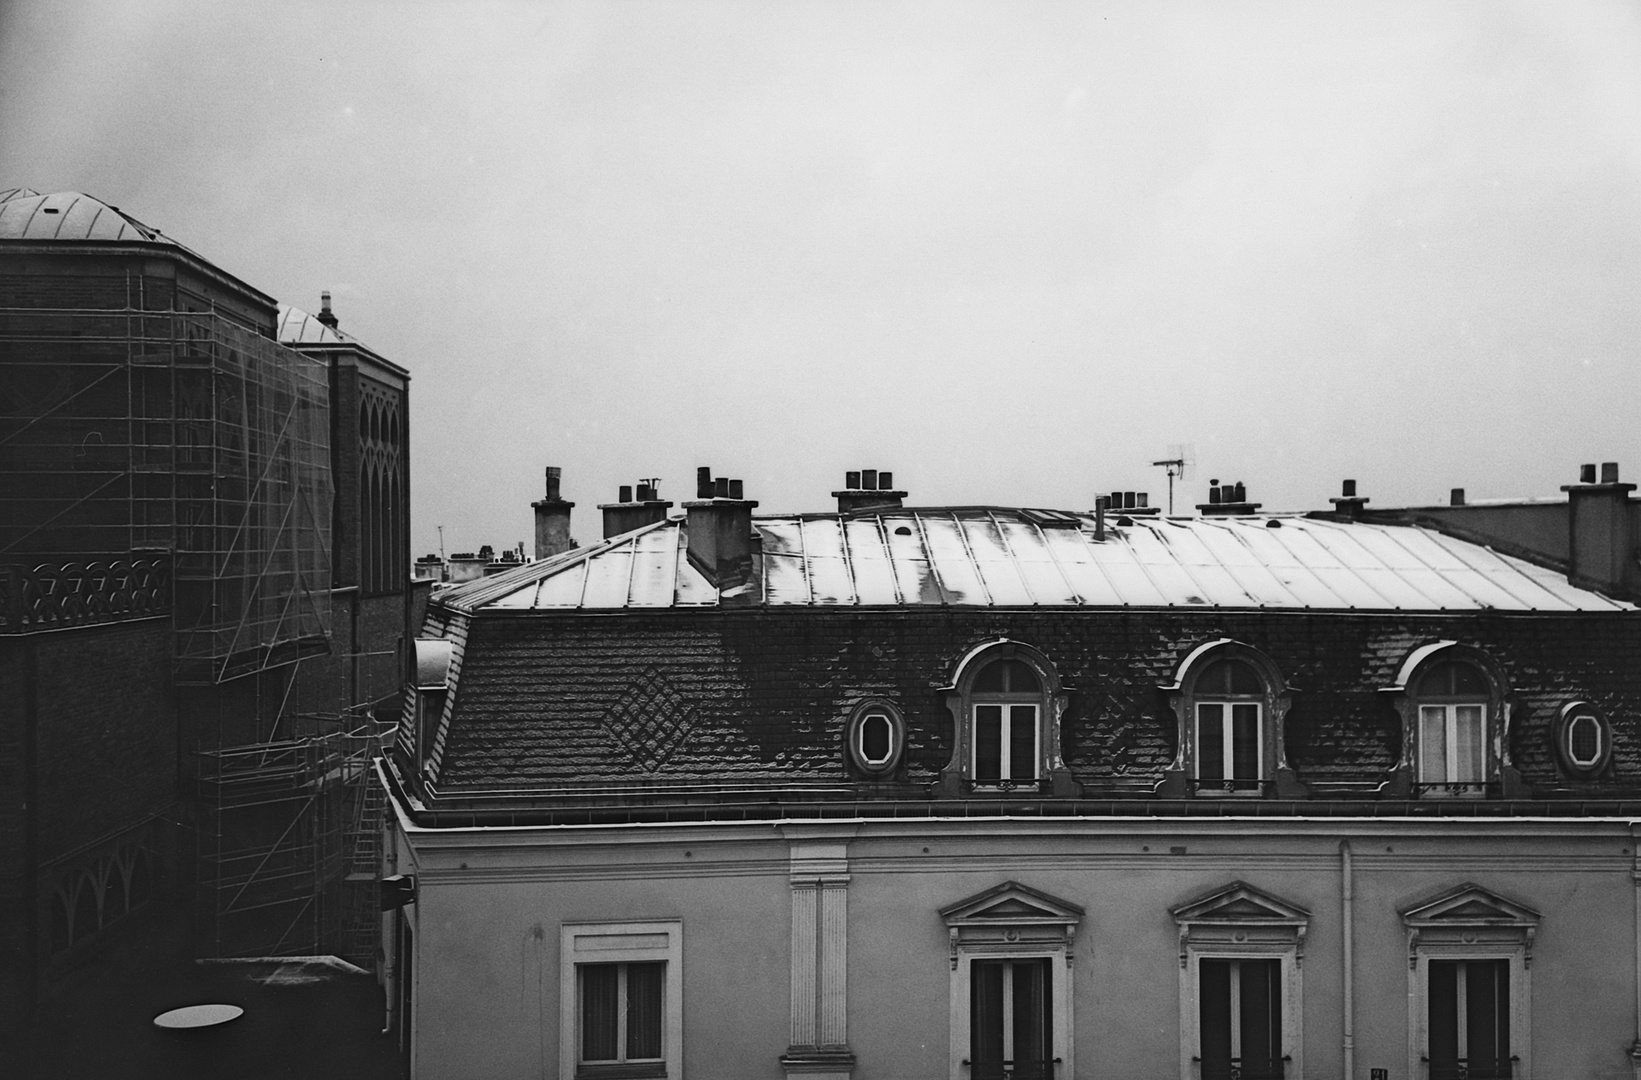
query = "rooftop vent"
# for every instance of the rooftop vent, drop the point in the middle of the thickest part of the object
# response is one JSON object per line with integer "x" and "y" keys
{"x": 325, "y": 315}
{"x": 1347, "y": 503}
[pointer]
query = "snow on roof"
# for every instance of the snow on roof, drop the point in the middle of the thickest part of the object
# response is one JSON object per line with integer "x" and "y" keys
{"x": 1004, "y": 557}
{"x": 69, "y": 215}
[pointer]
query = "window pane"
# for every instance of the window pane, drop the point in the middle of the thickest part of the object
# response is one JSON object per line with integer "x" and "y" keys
{"x": 1261, "y": 1018}
{"x": 988, "y": 742}
{"x": 1443, "y": 994}
{"x": 1031, "y": 1041}
{"x": 1468, "y": 680}
{"x": 874, "y": 738}
{"x": 990, "y": 679}
{"x": 1584, "y": 739}
{"x": 1243, "y": 678}
{"x": 600, "y": 1010}
{"x": 1214, "y": 998}
{"x": 986, "y": 1016}
{"x": 1432, "y": 744}
{"x": 1468, "y": 744}
{"x": 644, "y": 983}
{"x": 1021, "y": 679}
{"x": 1022, "y": 742}
{"x": 1487, "y": 1021}
{"x": 1245, "y": 742}
{"x": 1211, "y": 742}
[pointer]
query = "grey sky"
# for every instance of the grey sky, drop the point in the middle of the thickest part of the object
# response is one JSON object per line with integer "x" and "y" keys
{"x": 1009, "y": 251}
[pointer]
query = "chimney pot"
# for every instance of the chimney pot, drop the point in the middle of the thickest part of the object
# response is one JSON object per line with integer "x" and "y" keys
{"x": 646, "y": 493}
{"x": 1609, "y": 472}
{"x": 1348, "y": 490}
{"x": 885, "y": 481}
{"x": 851, "y": 480}
{"x": 1100, "y": 503}
{"x": 703, "y": 483}
{"x": 1213, "y": 492}
{"x": 1128, "y": 499}
{"x": 1586, "y": 473}
{"x": 1144, "y": 498}
{"x": 1457, "y": 498}
{"x": 735, "y": 489}
{"x": 720, "y": 488}
{"x": 1241, "y": 493}
{"x": 326, "y": 316}
{"x": 553, "y": 475}
{"x": 625, "y": 495}
{"x": 552, "y": 518}
{"x": 868, "y": 479}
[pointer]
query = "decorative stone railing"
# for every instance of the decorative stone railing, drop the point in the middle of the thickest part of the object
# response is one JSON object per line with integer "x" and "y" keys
{"x": 56, "y": 595}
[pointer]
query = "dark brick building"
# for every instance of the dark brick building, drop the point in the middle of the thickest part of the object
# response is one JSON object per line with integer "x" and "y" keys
{"x": 984, "y": 792}
{"x": 203, "y": 595}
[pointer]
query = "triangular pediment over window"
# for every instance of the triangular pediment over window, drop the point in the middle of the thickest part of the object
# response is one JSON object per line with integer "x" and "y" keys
{"x": 1469, "y": 905}
{"x": 1011, "y": 902}
{"x": 1240, "y": 902}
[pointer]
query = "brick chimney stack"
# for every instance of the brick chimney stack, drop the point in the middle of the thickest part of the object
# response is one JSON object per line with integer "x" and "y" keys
{"x": 629, "y": 513}
{"x": 552, "y": 519}
{"x": 1601, "y": 532}
{"x": 325, "y": 315}
{"x": 1227, "y": 499}
{"x": 719, "y": 528}
{"x": 1347, "y": 504}
{"x": 868, "y": 489}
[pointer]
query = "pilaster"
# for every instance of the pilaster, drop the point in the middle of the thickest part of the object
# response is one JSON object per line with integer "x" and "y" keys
{"x": 819, "y": 878}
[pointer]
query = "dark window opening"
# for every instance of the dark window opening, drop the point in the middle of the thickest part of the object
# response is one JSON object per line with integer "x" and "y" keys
{"x": 1011, "y": 1031}
{"x": 1240, "y": 1004}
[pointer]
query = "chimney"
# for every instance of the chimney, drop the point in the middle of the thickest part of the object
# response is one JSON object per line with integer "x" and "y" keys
{"x": 1347, "y": 504}
{"x": 868, "y": 489}
{"x": 552, "y": 519}
{"x": 719, "y": 529}
{"x": 1601, "y": 532}
{"x": 1226, "y": 499}
{"x": 1455, "y": 497}
{"x": 325, "y": 314}
{"x": 629, "y": 513}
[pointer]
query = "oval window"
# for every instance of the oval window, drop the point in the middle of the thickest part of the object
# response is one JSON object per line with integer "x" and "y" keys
{"x": 876, "y": 735}
{"x": 1582, "y": 740}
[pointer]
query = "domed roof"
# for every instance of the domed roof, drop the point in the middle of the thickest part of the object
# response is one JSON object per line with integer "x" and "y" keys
{"x": 297, "y": 327}
{"x": 26, "y": 214}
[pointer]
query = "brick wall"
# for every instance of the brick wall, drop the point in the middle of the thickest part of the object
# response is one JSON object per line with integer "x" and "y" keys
{"x": 766, "y": 693}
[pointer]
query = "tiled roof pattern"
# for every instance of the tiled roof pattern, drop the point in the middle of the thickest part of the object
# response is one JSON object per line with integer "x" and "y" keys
{"x": 762, "y": 697}
{"x": 998, "y": 557}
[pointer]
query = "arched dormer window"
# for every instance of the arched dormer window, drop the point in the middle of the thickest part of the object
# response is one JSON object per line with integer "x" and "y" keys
{"x": 1230, "y": 702}
{"x": 1006, "y": 701}
{"x": 1454, "y": 705}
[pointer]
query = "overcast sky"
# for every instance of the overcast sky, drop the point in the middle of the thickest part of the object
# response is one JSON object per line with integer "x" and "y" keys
{"x": 1010, "y": 252}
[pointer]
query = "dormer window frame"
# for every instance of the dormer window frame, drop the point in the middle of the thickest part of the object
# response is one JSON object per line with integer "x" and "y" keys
{"x": 1192, "y": 700}
{"x": 1422, "y": 709}
{"x": 1048, "y": 702}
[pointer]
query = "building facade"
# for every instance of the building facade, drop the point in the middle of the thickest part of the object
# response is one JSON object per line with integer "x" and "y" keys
{"x": 986, "y": 792}
{"x": 184, "y": 609}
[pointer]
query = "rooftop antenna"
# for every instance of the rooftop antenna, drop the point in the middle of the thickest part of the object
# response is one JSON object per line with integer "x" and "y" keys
{"x": 441, "y": 541}
{"x": 1181, "y": 457}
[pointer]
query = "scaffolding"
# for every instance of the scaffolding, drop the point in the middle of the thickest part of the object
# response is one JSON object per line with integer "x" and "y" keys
{"x": 290, "y": 846}
{"x": 130, "y": 431}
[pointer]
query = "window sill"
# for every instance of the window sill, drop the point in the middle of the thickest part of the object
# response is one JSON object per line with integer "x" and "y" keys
{"x": 634, "y": 1070}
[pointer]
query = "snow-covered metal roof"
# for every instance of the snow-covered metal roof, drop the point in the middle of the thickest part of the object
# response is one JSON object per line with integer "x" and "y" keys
{"x": 297, "y": 327}
{"x": 999, "y": 557}
{"x": 70, "y": 215}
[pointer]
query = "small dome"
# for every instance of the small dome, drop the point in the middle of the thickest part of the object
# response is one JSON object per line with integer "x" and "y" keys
{"x": 297, "y": 327}
{"x": 26, "y": 214}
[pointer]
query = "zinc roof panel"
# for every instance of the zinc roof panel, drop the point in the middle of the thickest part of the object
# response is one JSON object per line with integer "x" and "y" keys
{"x": 1005, "y": 585}
{"x": 1118, "y": 562}
{"x": 1301, "y": 584}
{"x": 914, "y": 573}
{"x": 786, "y": 579}
{"x": 830, "y": 581}
{"x": 781, "y": 537}
{"x": 608, "y": 577}
{"x": 1172, "y": 578}
{"x": 1036, "y": 563}
{"x": 874, "y": 576}
{"x": 563, "y": 589}
{"x": 1070, "y": 549}
{"x": 654, "y": 567}
{"x": 949, "y": 557}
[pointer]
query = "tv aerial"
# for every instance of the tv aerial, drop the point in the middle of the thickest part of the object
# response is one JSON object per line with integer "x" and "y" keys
{"x": 1178, "y": 464}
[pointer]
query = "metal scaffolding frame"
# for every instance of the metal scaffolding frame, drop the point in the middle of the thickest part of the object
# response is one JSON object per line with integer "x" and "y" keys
{"x": 290, "y": 842}
{"x": 136, "y": 431}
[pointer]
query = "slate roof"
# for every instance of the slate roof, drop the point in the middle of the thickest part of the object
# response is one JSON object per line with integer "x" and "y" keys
{"x": 996, "y": 557}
